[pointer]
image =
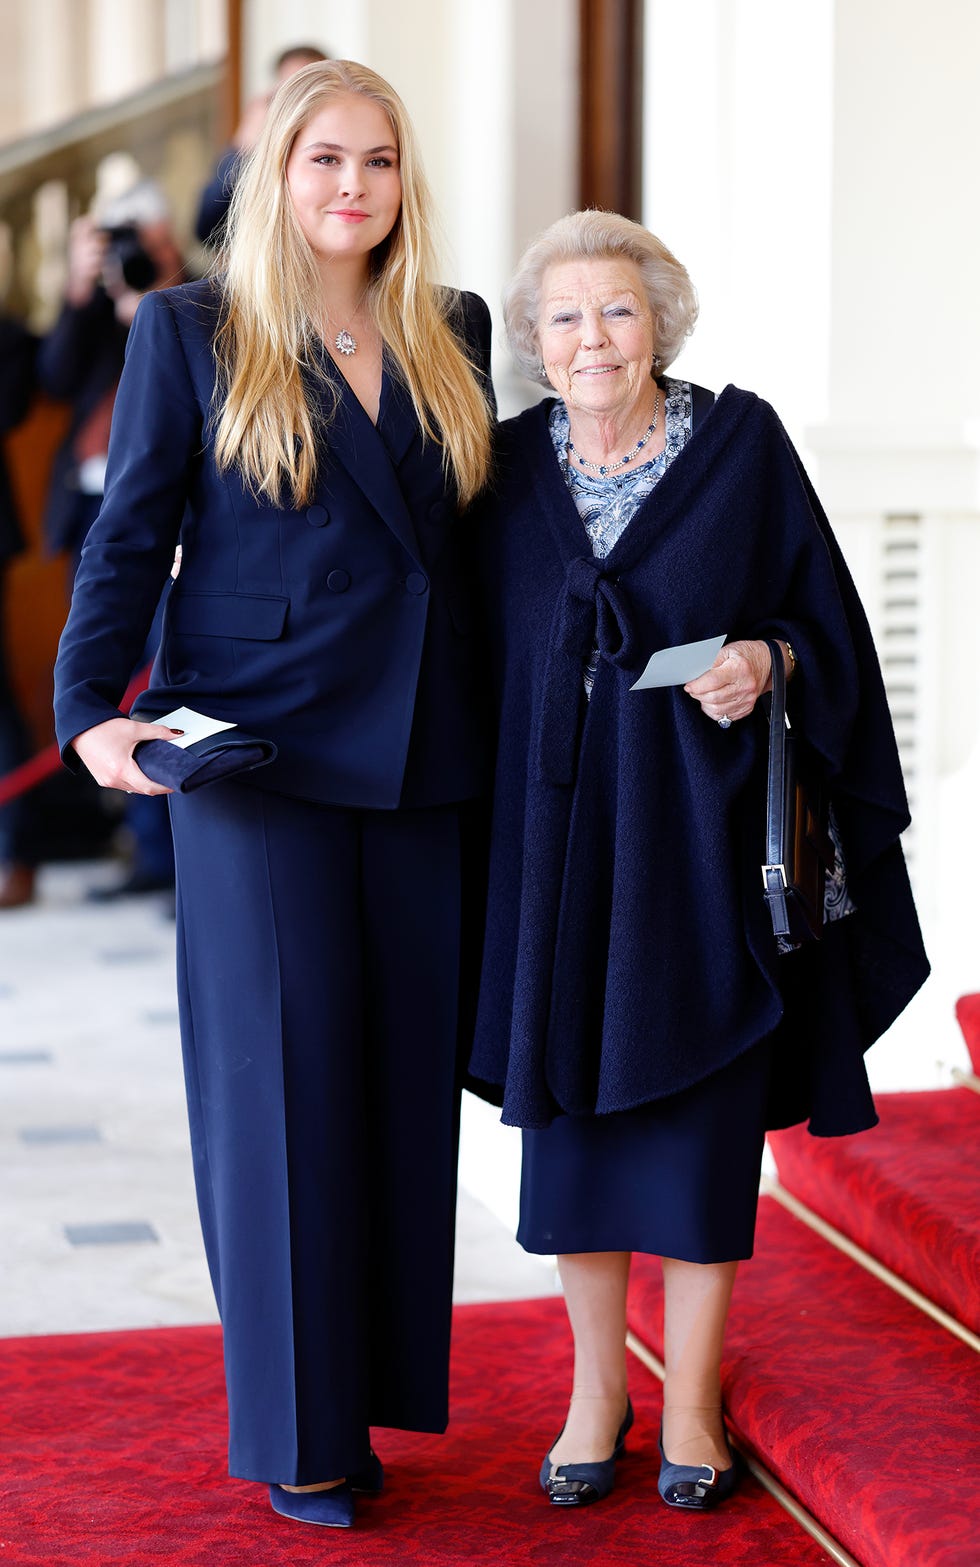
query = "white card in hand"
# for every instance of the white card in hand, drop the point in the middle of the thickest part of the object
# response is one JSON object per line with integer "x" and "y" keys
{"x": 675, "y": 666}
{"x": 196, "y": 726}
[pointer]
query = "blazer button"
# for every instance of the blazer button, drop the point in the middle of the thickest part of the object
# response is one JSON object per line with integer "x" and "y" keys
{"x": 317, "y": 516}
{"x": 415, "y": 582}
{"x": 338, "y": 581}
{"x": 438, "y": 511}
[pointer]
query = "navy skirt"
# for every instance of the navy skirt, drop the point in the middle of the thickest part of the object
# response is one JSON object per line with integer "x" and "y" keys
{"x": 677, "y": 1178}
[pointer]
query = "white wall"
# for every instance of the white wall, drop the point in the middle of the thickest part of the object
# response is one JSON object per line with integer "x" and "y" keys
{"x": 900, "y": 450}
{"x": 737, "y": 165}
{"x": 906, "y": 325}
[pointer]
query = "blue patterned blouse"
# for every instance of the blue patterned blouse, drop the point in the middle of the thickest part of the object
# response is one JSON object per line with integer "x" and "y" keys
{"x": 607, "y": 505}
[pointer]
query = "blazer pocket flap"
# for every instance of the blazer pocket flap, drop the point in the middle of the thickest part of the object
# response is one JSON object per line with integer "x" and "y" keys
{"x": 259, "y": 616}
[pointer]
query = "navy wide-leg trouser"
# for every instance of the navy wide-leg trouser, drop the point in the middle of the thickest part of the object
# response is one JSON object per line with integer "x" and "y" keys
{"x": 318, "y": 957}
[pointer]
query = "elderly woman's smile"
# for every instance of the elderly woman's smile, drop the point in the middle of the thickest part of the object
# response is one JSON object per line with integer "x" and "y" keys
{"x": 596, "y": 335}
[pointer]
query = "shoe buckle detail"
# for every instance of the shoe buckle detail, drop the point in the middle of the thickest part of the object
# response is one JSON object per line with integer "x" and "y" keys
{"x": 707, "y": 1485}
{"x": 562, "y": 1490}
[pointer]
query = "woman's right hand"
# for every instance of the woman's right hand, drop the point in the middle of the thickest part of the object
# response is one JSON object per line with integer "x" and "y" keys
{"x": 107, "y": 751}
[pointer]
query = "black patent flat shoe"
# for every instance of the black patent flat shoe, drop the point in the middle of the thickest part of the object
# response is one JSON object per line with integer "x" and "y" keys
{"x": 369, "y": 1480}
{"x": 576, "y": 1485}
{"x": 696, "y": 1487}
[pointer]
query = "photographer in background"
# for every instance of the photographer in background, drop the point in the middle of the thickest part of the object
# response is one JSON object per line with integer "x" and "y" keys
{"x": 112, "y": 261}
{"x": 115, "y": 256}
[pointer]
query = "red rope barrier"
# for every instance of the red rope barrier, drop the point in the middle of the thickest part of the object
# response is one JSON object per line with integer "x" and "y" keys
{"x": 34, "y": 771}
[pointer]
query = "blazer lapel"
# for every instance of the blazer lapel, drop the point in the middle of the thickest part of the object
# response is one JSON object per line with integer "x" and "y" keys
{"x": 355, "y": 444}
{"x": 397, "y": 419}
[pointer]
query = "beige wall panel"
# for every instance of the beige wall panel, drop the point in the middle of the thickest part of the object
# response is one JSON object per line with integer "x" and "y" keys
{"x": 126, "y": 42}
{"x": 906, "y": 327}
{"x": 13, "y": 84}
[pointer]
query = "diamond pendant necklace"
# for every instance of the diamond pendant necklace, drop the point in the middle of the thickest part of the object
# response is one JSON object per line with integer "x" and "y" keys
{"x": 345, "y": 342}
{"x": 603, "y": 468}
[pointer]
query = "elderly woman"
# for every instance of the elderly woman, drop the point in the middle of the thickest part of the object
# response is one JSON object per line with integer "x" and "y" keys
{"x": 638, "y": 1018}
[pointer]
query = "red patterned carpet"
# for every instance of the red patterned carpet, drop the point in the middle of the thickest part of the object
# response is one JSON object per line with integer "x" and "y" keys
{"x": 909, "y": 1192}
{"x": 112, "y": 1451}
{"x": 862, "y": 1406}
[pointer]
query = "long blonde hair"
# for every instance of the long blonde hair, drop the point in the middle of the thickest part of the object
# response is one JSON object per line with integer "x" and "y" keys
{"x": 272, "y": 309}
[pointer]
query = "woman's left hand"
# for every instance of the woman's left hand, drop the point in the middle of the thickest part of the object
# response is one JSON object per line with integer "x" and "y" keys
{"x": 735, "y": 681}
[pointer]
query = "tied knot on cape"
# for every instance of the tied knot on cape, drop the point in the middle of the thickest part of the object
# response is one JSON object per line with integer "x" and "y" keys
{"x": 592, "y": 611}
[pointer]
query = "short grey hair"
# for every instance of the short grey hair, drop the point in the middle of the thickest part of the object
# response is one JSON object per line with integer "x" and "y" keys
{"x": 593, "y": 235}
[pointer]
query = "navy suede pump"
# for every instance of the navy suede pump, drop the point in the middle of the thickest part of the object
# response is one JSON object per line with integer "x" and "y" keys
{"x": 696, "y": 1487}
{"x": 576, "y": 1485}
{"x": 334, "y": 1508}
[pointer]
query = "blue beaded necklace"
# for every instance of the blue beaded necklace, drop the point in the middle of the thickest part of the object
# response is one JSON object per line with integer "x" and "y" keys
{"x": 602, "y": 468}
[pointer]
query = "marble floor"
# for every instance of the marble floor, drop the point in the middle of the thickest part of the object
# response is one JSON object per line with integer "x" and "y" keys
{"x": 98, "y": 1227}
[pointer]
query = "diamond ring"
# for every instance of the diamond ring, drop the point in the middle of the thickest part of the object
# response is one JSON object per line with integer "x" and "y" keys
{"x": 725, "y": 723}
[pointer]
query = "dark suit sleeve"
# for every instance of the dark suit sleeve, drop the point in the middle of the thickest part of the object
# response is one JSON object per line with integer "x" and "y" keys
{"x": 216, "y": 198}
{"x": 156, "y": 439}
{"x": 17, "y": 350}
{"x": 76, "y": 342}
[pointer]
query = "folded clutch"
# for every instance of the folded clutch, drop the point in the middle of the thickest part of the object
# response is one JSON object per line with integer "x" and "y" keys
{"x": 186, "y": 768}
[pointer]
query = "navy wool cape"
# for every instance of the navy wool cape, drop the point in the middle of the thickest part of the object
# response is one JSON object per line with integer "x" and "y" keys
{"x": 628, "y": 951}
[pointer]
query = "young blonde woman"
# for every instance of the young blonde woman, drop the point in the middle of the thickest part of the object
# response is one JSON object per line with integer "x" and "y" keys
{"x": 309, "y": 426}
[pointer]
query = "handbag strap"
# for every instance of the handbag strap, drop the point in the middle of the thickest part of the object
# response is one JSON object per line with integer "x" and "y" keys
{"x": 774, "y": 870}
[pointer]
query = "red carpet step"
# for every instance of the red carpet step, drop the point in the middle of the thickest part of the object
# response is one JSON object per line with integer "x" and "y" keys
{"x": 968, "y": 1017}
{"x": 908, "y": 1192}
{"x": 863, "y": 1407}
{"x": 113, "y": 1453}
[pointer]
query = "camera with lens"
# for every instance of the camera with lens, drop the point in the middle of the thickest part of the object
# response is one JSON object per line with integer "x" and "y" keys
{"x": 125, "y": 257}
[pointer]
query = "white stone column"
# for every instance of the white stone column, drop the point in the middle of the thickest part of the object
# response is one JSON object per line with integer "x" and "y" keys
{"x": 737, "y": 160}
{"x": 340, "y": 29}
{"x": 511, "y": 121}
{"x": 193, "y": 31}
{"x": 126, "y": 48}
{"x": 54, "y": 55}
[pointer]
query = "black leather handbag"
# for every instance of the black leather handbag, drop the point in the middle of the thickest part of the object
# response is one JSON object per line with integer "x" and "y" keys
{"x": 799, "y": 849}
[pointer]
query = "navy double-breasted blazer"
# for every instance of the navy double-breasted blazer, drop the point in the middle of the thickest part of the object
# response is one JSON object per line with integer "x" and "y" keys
{"x": 340, "y": 631}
